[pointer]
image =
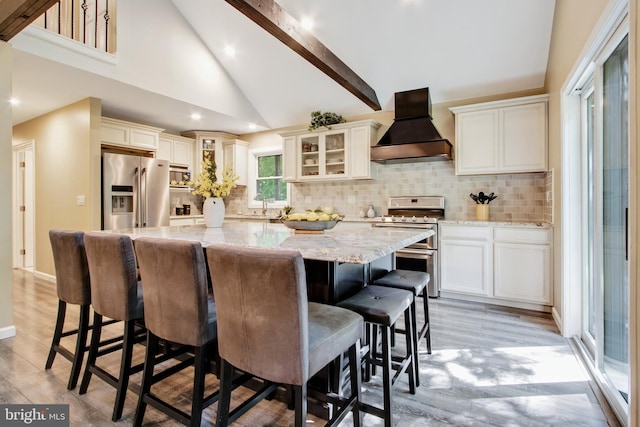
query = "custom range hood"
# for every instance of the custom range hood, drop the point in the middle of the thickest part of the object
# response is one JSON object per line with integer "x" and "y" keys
{"x": 412, "y": 137}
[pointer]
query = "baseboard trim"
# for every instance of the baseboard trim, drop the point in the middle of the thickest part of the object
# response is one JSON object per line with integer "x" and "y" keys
{"x": 45, "y": 276}
{"x": 7, "y": 332}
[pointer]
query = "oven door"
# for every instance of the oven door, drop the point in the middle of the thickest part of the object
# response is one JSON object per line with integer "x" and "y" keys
{"x": 418, "y": 259}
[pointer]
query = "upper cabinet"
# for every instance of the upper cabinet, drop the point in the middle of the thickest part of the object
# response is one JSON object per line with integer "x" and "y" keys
{"x": 127, "y": 134}
{"x": 222, "y": 148}
{"x": 178, "y": 150}
{"x": 502, "y": 137}
{"x": 339, "y": 153}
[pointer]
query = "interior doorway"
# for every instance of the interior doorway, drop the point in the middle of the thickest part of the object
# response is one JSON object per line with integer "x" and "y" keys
{"x": 23, "y": 206}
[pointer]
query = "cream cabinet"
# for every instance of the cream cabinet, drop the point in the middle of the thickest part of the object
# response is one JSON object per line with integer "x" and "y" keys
{"x": 466, "y": 263}
{"x": 506, "y": 265}
{"x": 339, "y": 153}
{"x": 502, "y": 136}
{"x": 127, "y": 134}
{"x": 236, "y": 153}
{"x": 178, "y": 150}
{"x": 522, "y": 264}
{"x": 222, "y": 148}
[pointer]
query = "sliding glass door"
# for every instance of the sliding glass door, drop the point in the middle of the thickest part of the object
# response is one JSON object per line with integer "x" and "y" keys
{"x": 605, "y": 296}
{"x": 615, "y": 203}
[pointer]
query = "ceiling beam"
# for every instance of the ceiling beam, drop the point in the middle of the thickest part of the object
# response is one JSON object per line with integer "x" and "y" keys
{"x": 277, "y": 22}
{"x": 15, "y": 15}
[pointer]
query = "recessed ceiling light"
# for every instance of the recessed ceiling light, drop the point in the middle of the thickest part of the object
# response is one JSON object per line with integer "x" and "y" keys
{"x": 14, "y": 101}
{"x": 196, "y": 116}
{"x": 307, "y": 23}
{"x": 252, "y": 126}
{"x": 230, "y": 51}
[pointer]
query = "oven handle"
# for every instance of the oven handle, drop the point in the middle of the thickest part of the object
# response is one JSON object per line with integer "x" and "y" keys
{"x": 420, "y": 254}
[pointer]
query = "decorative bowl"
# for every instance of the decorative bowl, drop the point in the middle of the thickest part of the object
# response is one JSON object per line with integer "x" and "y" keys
{"x": 310, "y": 225}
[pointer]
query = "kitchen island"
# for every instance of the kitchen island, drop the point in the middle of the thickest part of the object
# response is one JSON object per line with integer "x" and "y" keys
{"x": 338, "y": 262}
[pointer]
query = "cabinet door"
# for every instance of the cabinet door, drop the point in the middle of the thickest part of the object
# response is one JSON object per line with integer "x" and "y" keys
{"x": 523, "y": 138}
{"x": 141, "y": 138}
{"x": 523, "y": 272}
{"x": 165, "y": 149}
{"x": 477, "y": 142}
{"x": 359, "y": 152}
{"x": 333, "y": 151}
{"x": 114, "y": 134}
{"x": 310, "y": 163}
{"x": 466, "y": 266}
{"x": 290, "y": 159}
{"x": 183, "y": 153}
{"x": 236, "y": 153}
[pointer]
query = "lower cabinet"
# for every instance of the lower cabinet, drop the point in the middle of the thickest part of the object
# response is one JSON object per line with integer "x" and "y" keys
{"x": 507, "y": 265}
{"x": 465, "y": 260}
{"x": 522, "y": 264}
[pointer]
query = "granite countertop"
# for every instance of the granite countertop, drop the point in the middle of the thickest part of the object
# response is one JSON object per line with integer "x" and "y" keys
{"x": 494, "y": 223}
{"x": 269, "y": 217}
{"x": 350, "y": 243}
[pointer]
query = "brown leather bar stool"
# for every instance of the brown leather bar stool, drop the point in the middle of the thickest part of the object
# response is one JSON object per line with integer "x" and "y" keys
{"x": 267, "y": 328}
{"x": 415, "y": 282}
{"x": 178, "y": 309}
{"x": 116, "y": 294}
{"x": 72, "y": 285}
{"x": 381, "y": 307}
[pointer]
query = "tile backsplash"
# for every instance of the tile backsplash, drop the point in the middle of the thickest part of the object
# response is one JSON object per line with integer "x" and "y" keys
{"x": 521, "y": 197}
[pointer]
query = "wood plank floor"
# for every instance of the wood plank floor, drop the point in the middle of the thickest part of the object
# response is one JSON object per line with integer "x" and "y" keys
{"x": 490, "y": 367}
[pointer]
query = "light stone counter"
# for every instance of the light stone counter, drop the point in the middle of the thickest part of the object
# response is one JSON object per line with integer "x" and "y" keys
{"x": 495, "y": 223}
{"x": 345, "y": 243}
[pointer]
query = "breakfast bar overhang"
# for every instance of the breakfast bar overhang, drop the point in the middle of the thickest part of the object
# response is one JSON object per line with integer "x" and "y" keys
{"x": 338, "y": 262}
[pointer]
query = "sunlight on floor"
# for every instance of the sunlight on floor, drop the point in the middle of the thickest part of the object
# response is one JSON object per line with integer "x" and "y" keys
{"x": 502, "y": 366}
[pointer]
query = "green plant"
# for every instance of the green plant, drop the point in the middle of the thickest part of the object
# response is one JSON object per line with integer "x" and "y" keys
{"x": 206, "y": 184}
{"x": 319, "y": 119}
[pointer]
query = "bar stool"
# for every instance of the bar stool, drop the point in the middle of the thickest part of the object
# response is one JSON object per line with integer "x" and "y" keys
{"x": 116, "y": 294}
{"x": 72, "y": 285}
{"x": 417, "y": 283}
{"x": 179, "y": 309}
{"x": 268, "y": 328}
{"x": 381, "y": 307}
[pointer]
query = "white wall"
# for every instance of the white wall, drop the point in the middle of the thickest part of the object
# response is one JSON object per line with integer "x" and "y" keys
{"x": 6, "y": 284}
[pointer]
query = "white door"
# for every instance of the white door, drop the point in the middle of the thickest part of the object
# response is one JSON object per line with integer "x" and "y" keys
{"x": 24, "y": 207}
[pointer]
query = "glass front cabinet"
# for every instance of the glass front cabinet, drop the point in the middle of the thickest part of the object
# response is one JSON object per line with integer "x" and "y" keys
{"x": 339, "y": 153}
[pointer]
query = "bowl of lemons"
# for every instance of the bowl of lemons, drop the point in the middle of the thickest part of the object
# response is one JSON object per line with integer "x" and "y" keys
{"x": 315, "y": 221}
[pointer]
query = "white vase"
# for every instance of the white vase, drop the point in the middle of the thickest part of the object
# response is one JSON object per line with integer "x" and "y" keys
{"x": 213, "y": 212}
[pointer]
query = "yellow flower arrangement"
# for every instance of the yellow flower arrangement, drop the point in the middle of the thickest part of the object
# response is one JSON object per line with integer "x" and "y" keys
{"x": 206, "y": 184}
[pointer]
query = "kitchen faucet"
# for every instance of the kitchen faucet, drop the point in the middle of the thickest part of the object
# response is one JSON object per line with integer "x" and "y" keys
{"x": 265, "y": 202}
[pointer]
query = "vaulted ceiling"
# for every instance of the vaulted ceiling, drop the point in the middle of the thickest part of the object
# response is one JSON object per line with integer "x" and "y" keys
{"x": 460, "y": 49}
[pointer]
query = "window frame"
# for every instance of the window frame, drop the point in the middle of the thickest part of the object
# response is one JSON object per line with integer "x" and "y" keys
{"x": 253, "y": 176}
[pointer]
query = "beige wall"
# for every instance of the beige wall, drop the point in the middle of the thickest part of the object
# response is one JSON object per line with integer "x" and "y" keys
{"x": 568, "y": 39}
{"x": 6, "y": 310}
{"x": 67, "y": 165}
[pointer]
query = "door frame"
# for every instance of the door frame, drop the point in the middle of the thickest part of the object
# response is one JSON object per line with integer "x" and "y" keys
{"x": 18, "y": 222}
{"x": 615, "y": 16}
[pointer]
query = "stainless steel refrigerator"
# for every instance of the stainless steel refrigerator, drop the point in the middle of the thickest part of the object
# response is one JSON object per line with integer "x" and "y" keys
{"x": 135, "y": 192}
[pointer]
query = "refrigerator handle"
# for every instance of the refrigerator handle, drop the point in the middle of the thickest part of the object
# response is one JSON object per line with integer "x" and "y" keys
{"x": 143, "y": 197}
{"x": 136, "y": 198}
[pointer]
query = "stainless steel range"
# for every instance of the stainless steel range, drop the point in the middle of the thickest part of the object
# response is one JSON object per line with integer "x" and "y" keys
{"x": 417, "y": 212}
